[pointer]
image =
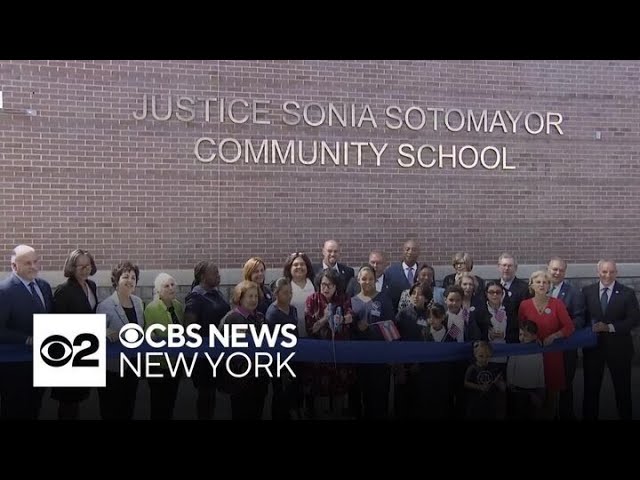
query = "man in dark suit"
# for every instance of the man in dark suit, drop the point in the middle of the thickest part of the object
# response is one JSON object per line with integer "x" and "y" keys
{"x": 401, "y": 276}
{"x": 330, "y": 256}
{"x": 22, "y": 295}
{"x": 378, "y": 261}
{"x": 574, "y": 301}
{"x": 515, "y": 288}
{"x": 612, "y": 311}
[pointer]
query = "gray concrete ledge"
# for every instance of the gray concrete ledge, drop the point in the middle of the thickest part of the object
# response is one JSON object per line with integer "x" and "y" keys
{"x": 231, "y": 276}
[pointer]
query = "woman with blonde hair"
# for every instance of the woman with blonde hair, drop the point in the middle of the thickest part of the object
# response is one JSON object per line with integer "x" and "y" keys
{"x": 254, "y": 270}
{"x": 553, "y": 321}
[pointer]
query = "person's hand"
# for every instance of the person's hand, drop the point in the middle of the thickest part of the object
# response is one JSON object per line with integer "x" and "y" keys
{"x": 363, "y": 325}
{"x": 348, "y": 319}
{"x": 498, "y": 334}
{"x": 599, "y": 327}
{"x": 549, "y": 340}
{"x": 319, "y": 324}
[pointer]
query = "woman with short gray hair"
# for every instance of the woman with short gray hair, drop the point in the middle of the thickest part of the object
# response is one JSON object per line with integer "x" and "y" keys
{"x": 164, "y": 310}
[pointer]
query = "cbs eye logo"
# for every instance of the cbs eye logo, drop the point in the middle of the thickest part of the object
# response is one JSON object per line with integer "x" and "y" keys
{"x": 131, "y": 335}
{"x": 69, "y": 350}
{"x": 57, "y": 350}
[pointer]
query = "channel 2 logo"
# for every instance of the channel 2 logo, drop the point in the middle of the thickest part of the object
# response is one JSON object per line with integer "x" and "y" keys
{"x": 69, "y": 350}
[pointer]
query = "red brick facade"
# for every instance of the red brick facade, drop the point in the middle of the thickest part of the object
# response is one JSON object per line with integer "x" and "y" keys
{"x": 85, "y": 172}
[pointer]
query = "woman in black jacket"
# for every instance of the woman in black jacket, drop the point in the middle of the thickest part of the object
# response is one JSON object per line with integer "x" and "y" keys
{"x": 77, "y": 295}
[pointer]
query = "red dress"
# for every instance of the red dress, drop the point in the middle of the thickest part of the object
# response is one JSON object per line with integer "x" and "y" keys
{"x": 328, "y": 379}
{"x": 554, "y": 317}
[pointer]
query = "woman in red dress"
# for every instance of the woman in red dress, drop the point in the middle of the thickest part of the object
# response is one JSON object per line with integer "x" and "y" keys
{"x": 324, "y": 320}
{"x": 553, "y": 322}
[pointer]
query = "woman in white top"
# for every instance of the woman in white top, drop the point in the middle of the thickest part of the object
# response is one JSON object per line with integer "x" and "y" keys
{"x": 299, "y": 271}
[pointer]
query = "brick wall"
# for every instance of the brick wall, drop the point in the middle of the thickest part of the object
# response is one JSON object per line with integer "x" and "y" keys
{"x": 84, "y": 172}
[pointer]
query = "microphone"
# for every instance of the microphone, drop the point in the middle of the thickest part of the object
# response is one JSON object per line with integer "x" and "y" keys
{"x": 338, "y": 316}
{"x": 331, "y": 312}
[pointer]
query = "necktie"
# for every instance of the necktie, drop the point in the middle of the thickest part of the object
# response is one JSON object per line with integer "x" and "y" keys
{"x": 36, "y": 297}
{"x": 410, "y": 275}
{"x": 552, "y": 291}
{"x": 174, "y": 317}
{"x": 604, "y": 299}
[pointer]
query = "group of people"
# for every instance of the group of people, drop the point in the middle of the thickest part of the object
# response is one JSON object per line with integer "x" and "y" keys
{"x": 331, "y": 301}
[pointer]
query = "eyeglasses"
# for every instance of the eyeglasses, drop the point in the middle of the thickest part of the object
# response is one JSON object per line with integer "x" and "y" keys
{"x": 494, "y": 292}
{"x": 83, "y": 266}
{"x": 327, "y": 285}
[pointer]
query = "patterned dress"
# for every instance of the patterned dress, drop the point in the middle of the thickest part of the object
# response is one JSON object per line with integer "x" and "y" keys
{"x": 328, "y": 379}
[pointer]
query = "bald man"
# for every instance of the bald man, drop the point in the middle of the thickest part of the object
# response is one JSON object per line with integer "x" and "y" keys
{"x": 330, "y": 257}
{"x": 401, "y": 275}
{"x": 22, "y": 295}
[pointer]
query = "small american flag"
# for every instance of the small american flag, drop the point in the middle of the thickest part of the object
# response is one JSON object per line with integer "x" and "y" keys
{"x": 389, "y": 330}
{"x": 500, "y": 315}
{"x": 465, "y": 315}
{"x": 454, "y": 331}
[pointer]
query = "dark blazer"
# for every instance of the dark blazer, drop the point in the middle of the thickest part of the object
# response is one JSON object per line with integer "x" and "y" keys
{"x": 70, "y": 298}
{"x": 518, "y": 292}
{"x": 398, "y": 283}
{"x": 512, "y": 329}
{"x": 574, "y": 301}
{"x": 622, "y": 312}
{"x": 17, "y": 307}
{"x": 346, "y": 273}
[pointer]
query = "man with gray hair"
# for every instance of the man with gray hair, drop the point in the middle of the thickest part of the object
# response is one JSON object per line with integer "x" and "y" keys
{"x": 611, "y": 312}
{"x": 378, "y": 261}
{"x": 515, "y": 288}
{"x": 574, "y": 301}
{"x": 22, "y": 295}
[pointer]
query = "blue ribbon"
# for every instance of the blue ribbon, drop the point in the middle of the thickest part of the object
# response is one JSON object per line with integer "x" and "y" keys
{"x": 311, "y": 350}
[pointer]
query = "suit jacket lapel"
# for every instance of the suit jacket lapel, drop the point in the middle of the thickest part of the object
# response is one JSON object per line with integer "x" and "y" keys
{"x": 81, "y": 293}
{"x": 615, "y": 295}
{"x": 119, "y": 309}
{"x": 593, "y": 298}
{"x": 48, "y": 300}
{"x": 139, "y": 312}
{"x": 563, "y": 291}
{"x": 28, "y": 298}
